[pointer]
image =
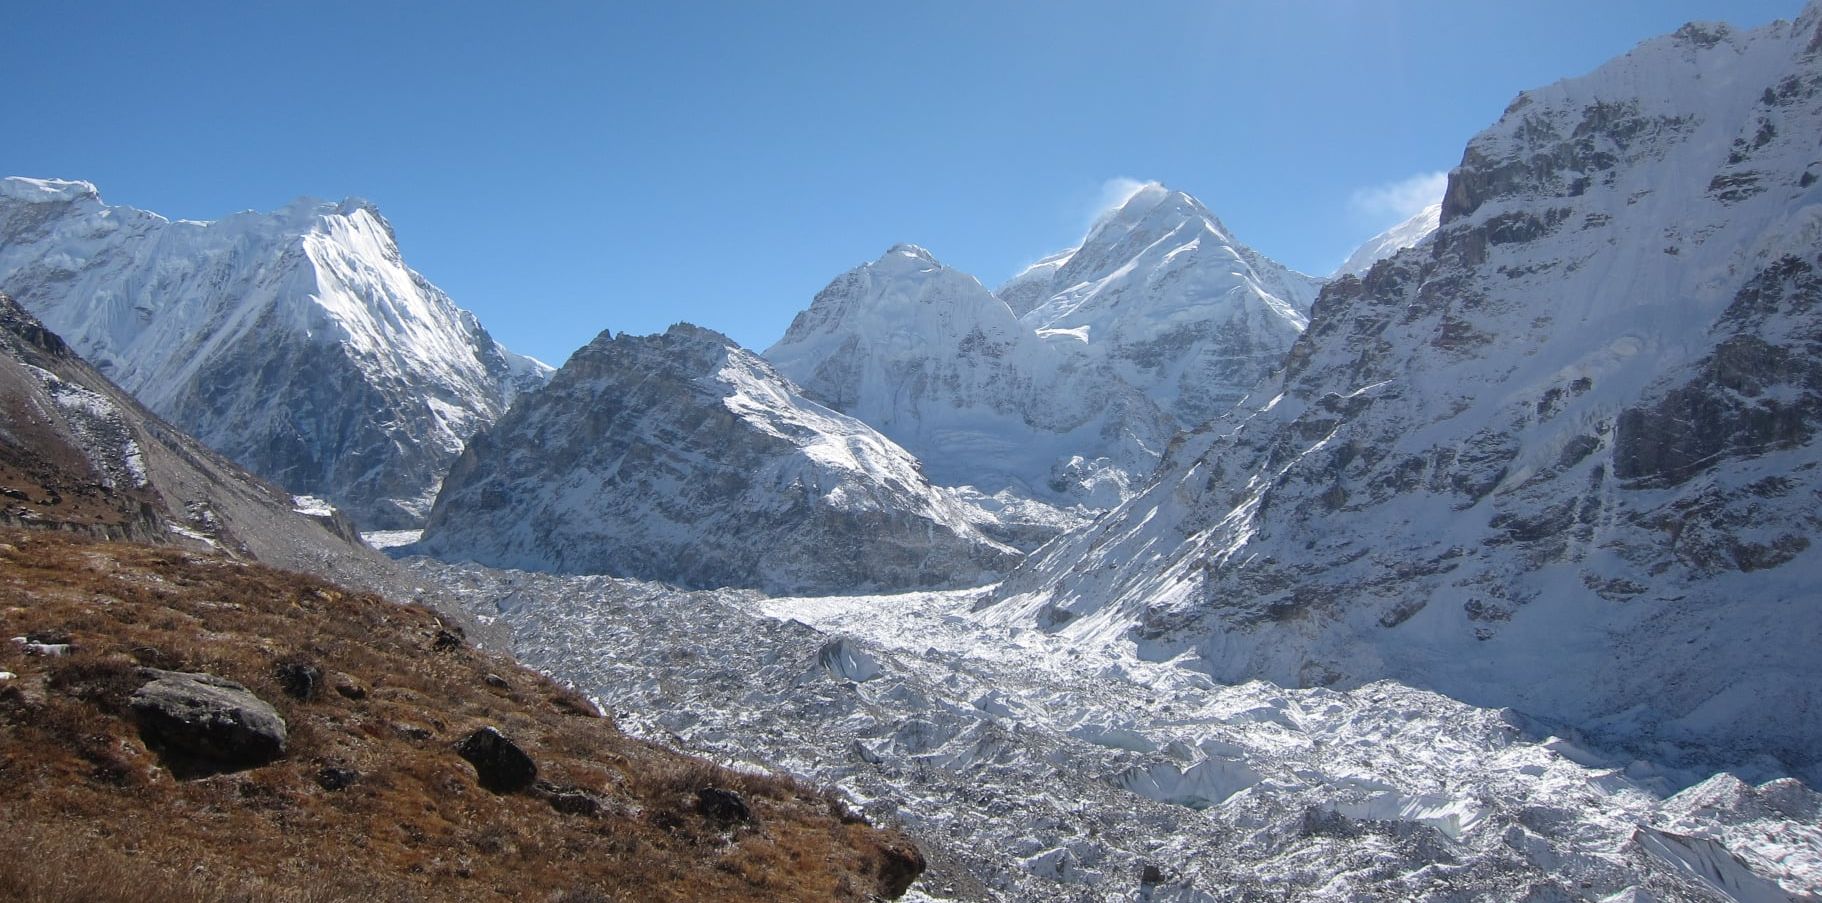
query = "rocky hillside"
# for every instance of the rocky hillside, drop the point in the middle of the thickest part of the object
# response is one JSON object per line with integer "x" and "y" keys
{"x": 180, "y": 726}
{"x": 682, "y": 457}
{"x": 296, "y": 342}
{"x": 1560, "y": 457}
{"x": 78, "y": 454}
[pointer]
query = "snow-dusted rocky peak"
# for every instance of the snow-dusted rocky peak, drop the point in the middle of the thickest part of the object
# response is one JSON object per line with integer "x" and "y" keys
{"x": 296, "y": 342}
{"x": 1407, "y": 234}
{"x": 682, "y": 457}
{"x": 927, "y": 356}
{"x": 1161, "y": 292}
{"x": 1561, "y": 457}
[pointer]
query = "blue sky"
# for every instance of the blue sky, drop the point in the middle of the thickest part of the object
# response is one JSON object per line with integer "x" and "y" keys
{"x": 561, "y": 168}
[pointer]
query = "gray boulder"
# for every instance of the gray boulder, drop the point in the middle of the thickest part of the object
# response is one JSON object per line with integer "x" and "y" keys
{"x": 208, "y": 722}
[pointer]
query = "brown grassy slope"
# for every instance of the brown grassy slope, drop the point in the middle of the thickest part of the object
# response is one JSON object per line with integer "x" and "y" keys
{"x": 89, "y": 813}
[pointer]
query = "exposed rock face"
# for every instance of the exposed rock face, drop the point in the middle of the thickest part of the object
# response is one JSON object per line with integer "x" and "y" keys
{"x": 926, "y": 355}
{"x": 209, "y": 718}
{"x": 297, "y": 342}
{"x": 682, "y": 457}
{"x": 1560, "y": 457}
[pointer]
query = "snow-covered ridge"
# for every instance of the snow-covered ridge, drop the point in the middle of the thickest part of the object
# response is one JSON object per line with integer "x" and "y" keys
{"x": 683, "y": 457}
{"x": 1560, "y": 456}
{"x": 1407, "y": 234}
{"x": 298, "y": 341}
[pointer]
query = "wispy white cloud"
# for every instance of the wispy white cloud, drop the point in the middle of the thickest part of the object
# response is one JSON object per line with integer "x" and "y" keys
{"x": 1399, "y": 200}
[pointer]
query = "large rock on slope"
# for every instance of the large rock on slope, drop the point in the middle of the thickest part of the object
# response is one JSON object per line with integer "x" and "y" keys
{"x": 926, "y": 355}
{"x": 297, "y": 342}
{"x": 1561, "y": 457}
{"x": 682, "y": 457}
{"x": 210, "y": 721}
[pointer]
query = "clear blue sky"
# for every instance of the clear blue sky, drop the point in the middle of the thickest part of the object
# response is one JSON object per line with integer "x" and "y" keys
{"x": 560, "y": 168}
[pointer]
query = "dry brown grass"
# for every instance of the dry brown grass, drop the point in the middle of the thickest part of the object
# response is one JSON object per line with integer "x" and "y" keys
{"x": 91, "y": 814}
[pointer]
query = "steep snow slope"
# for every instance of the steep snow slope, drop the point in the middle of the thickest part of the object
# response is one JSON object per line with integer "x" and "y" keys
{"x": 296, "y": 342}
{"x": 1161, "y": 293}
{"x": 1407, "y": 234}
{"x": 1561, "y": 457}
{"x": 1030, "y": 768}
{"x": 683, "y": 457}
{"x": 925, "y": 355}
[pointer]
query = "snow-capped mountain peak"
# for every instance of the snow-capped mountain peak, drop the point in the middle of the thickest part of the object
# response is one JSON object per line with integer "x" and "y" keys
{"x": 296, "y": 341}
{"x": 1161, "y": 292}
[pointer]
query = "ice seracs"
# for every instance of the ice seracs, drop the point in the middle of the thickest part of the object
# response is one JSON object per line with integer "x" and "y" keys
{"x": 1562, "y": 456}
{"x": 297, "y": 342}
{"x": 685, "y": 458}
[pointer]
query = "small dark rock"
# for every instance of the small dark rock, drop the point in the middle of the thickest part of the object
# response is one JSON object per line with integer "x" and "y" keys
{"x": 495, "y": 680}
{"x": 203, "y": 723}
{"x": 1151, "y": 874}
{"x": 447, "y": 640}
{"x": 335, "y": 777}
{"x": 300, "y": 680}
{"x": 349, "y": 688}
{"x": 499, "y": 764}
{"x": 569, "y": 800}
{"x": 722, "y": 805}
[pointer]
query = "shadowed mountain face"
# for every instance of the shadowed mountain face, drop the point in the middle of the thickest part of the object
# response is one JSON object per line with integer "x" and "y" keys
{"x": 297, "y": 343}
{"x": 1561, "y": 456}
